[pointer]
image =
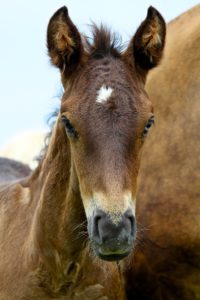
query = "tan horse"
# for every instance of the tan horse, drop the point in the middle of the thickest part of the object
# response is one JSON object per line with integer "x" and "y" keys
{"x": 167, "y": 266}
{"x": 79, "y": 204}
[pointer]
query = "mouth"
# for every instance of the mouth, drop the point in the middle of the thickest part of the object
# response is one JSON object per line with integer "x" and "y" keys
{"x": 110, "y": 254}
{"x": 113, "y": 256}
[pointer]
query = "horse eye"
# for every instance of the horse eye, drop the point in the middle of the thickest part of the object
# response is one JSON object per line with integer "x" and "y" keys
{"x": 68, "y": 126}
{"x": 148, "y": 125}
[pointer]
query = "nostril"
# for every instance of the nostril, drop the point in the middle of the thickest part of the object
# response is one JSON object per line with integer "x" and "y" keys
{"x": 96, "y": 225}
{"x": 96, "y": 220}
{"x": 132, "y": 221}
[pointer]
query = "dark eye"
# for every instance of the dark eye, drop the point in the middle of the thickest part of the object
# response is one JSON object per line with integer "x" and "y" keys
{"x": 148, "y": 126}
{"x": 69, "y": 127}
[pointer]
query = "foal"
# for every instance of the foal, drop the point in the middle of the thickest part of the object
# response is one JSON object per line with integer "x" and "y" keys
{"x": 79, "y": 204}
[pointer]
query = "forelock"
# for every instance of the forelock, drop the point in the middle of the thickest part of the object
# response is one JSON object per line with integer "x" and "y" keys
{"x": 104, "y": 42}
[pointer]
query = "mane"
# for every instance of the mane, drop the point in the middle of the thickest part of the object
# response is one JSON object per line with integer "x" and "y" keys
{"x": 103, "y": 42}
{"x": 51, "y": 120}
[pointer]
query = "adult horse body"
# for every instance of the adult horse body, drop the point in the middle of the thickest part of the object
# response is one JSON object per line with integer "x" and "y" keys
{"x": 168, "y": 265}
{"x": 88, "y": 173}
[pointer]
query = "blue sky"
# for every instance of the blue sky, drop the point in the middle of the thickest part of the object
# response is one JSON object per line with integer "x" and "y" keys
{"x": 29, "y": 84}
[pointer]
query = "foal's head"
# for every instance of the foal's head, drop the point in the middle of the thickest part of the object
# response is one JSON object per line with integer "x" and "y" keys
{"x": 106, "y": 114}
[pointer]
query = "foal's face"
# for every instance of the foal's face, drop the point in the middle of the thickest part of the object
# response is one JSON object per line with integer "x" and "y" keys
{"x": 105, "y": 117}
{"x": 106, "y": 114}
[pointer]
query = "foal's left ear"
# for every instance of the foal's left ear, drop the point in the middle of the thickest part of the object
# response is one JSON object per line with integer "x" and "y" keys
{"x": 148, "y": 43}
{"x": 64, "y": 42}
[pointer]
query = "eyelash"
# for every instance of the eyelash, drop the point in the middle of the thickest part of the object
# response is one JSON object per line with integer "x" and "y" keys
{"x": 148, "y": 126}
{"x": 69, "y": 127}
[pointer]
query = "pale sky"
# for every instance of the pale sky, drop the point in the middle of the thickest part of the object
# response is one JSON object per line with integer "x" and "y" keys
{"x": 29, "y": 84}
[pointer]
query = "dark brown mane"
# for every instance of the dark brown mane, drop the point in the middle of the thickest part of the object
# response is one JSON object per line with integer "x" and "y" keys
{"x": 104, "y": 42}
{"x": 50, "y": 122}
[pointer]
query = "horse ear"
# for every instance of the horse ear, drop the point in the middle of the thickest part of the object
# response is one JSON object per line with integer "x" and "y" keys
{"x": 148, "y": 42}
{"x": 64, "y": 41}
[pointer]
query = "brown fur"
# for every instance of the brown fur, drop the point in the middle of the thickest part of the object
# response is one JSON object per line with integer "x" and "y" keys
{"x": 44, "y": 249}
{"x": 167, "y": 263}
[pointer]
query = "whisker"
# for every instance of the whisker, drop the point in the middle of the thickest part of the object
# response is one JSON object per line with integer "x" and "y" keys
{"x": 79, "y": 226}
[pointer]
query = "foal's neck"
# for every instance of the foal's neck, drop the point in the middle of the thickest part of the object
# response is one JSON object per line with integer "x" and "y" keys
{"x": 59, "y": 212}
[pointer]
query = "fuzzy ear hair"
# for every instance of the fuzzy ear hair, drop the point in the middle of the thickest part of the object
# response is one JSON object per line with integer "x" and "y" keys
{"x": 149, "y": 40}
{"x": 64, "y": 41}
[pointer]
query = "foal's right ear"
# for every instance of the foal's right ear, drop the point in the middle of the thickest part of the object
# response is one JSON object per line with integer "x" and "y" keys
{"x": 64, "y": 42}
